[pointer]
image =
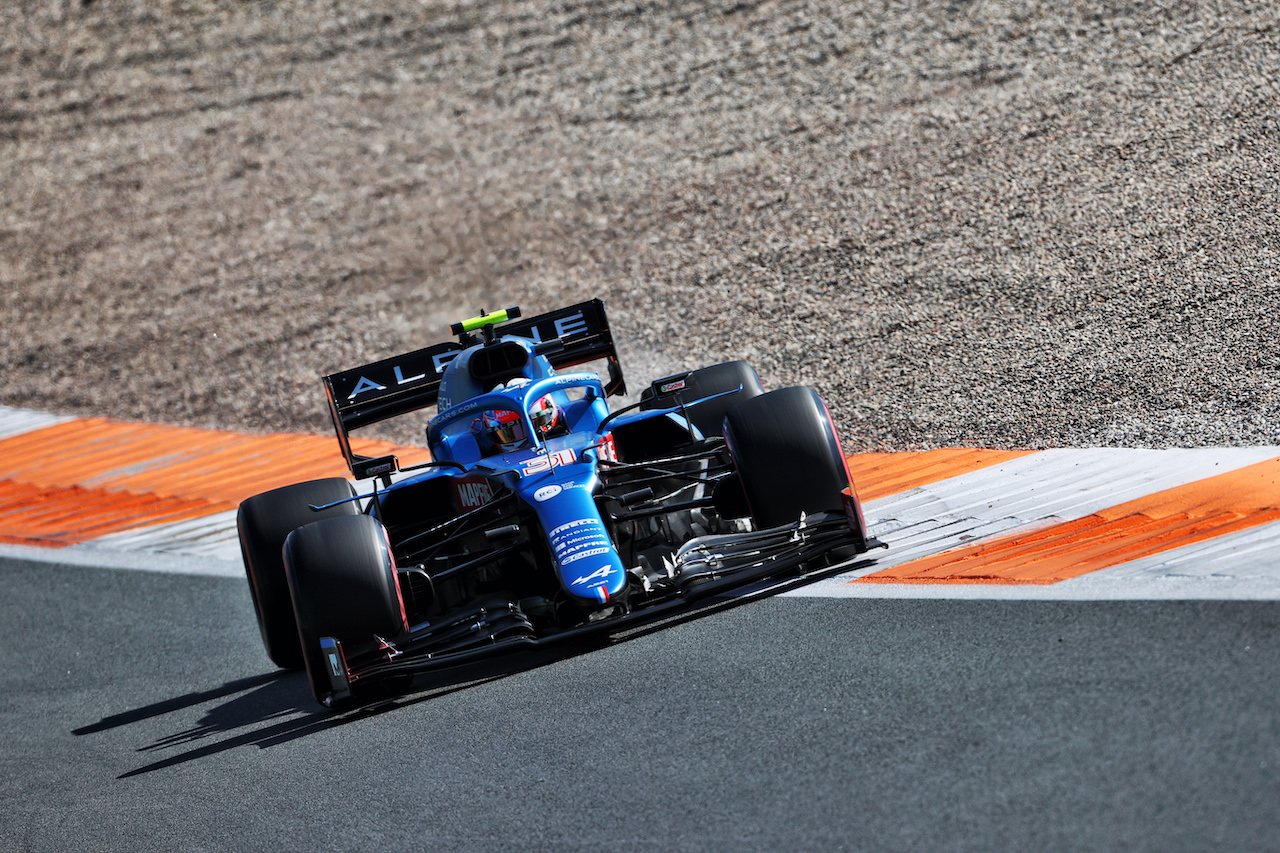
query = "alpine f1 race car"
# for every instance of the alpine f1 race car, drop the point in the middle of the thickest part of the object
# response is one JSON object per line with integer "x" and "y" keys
{"x": 543, "y": 515}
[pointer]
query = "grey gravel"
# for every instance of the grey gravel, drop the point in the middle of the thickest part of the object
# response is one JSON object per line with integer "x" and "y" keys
{"x": 1008, "y": 224}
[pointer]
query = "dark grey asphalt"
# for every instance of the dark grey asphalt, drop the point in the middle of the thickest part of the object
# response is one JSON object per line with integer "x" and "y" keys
{"x": 139, "y": 713}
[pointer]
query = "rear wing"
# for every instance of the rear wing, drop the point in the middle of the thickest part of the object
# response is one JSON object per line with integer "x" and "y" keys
{"x": 405, "y": 383}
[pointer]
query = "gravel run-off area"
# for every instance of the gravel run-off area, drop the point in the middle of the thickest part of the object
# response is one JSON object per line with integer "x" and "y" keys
{"x": 999, "y": 223}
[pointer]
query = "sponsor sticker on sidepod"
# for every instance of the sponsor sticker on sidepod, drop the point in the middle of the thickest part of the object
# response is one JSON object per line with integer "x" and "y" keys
{"x": 472, "y": 492}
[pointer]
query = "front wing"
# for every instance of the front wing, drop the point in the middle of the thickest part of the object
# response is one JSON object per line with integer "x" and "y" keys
{"x": 705, "y": 567}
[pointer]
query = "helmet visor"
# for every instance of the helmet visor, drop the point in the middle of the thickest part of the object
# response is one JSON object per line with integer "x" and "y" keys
{"x": 505, "y": 429}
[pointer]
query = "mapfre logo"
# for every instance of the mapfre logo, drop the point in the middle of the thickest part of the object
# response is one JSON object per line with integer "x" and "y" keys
{"x": 473, "y": 494}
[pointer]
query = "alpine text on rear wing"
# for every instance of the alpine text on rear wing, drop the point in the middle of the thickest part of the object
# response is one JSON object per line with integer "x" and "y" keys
{"x": 409, "y": 382}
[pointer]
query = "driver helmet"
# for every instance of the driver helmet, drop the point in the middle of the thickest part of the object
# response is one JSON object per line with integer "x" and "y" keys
{"x": 503, "y": 430}
{"x": 547, "y": 417}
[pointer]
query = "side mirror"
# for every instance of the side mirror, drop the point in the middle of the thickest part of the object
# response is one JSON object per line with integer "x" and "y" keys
{"x": 382, "y": 466}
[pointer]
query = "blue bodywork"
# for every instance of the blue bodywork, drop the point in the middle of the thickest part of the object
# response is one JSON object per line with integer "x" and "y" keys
{"x": 555, "y": 477}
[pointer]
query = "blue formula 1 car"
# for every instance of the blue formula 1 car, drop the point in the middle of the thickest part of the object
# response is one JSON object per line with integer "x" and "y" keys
{"x": 543, "y": 515}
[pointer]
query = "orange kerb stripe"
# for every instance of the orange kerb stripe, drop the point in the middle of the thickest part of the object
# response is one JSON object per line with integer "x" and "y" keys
{"x": 30, "y": 515}
{"x": 877, "y": 475}
{"x": 82, "y": 479}
{"x": 1236, "y": 500}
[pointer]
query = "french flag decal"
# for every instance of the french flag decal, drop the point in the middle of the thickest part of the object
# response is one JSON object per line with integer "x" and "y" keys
{"x": 603, "y": 594}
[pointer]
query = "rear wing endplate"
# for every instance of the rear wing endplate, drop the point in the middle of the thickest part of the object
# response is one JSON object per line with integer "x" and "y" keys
{"x": 405, "y": 383}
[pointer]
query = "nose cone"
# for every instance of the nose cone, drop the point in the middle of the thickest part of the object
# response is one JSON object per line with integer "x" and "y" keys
{"x": 587, "y": 562}
{"x": 589, "y": 566}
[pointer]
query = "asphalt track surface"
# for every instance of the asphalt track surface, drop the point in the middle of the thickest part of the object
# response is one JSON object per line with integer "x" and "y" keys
{"x": 140, "y": 713}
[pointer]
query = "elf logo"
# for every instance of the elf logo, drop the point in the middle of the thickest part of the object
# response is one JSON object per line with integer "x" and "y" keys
{"x": 473, "y": 494}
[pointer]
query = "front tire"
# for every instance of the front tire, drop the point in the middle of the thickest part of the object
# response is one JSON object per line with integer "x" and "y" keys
{"x": 342, "y": 579}
{"x": 263, "y": 522}
{"x": 788, "y": 456}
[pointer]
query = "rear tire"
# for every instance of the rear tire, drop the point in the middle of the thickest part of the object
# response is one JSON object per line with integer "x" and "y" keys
{"x": 342, "y": 579}
{"x": 788, "y": 456}
{"x": 716, "y": 379}
{"x": 264, "y": 521}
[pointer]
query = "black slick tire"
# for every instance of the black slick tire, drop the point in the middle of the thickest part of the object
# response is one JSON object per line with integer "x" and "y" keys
{"x": 342, "y": 579}
{"x": 788, "y": 456}
{"x": 263, "y": 522}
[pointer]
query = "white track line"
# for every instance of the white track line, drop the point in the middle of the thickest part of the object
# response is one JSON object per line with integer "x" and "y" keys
{"x": 17, "y": 421}
{"x": 110, "y": 558}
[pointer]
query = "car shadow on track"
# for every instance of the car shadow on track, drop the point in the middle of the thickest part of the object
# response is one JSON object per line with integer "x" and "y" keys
{"x": 275, "y": 708}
